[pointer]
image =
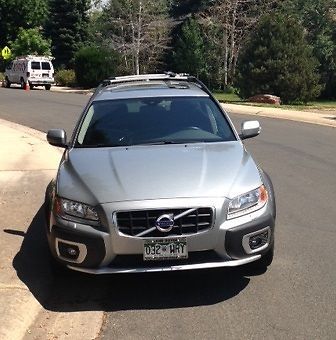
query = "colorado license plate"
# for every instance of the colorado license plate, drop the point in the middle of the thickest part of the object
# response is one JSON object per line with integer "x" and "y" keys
{"x": 165, "y": 249}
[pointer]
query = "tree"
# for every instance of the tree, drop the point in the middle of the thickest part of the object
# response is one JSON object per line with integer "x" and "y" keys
{"x": 278, "y": 60}
{"x": 17, "y": 13}
{"x": 189, "y": 55}
{"x": 94, "y": 64}
{"x": 30, "y": 41}
{"x": 67, "y": 28}
{"x": 319, "y": 20}
{"x": 227, "y": 23}
{"x": 139, "y": 30}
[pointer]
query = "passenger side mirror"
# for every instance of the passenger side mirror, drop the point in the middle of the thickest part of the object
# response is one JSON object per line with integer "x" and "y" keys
{"x": 249, "y": 129}
{"x": 57, "y": 137}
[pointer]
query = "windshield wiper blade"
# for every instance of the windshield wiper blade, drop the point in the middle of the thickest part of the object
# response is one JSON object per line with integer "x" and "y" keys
{"x": 102, "y": 145}
{"x": 161, "y": 142}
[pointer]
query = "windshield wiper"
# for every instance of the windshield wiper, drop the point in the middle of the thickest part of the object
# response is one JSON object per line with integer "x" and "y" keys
{"x": 101, "y": 145}
{"x": 161, "y": 142}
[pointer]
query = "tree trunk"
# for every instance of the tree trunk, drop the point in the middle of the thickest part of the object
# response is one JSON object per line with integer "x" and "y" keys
{"x": 225, "y": 57}
{"x": 231, "y": 62}
{"x": 138, "y": 43}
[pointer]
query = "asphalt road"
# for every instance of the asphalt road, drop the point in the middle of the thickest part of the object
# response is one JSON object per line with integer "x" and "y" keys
{"x": 294, "y": 299}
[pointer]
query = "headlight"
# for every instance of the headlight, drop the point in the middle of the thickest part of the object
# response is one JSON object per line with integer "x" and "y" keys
{"x": 247, "y": 203}
{"x": 64, "y": 207}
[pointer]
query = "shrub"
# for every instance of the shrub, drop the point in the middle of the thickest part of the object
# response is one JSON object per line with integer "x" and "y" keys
{"x": 2, "y": 76}
{"x": 65, "y": 78}
{"x": 278, "y": 60}
{"x": 94, "y": 64}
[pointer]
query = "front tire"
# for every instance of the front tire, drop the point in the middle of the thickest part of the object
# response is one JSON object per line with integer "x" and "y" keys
{"x": 7, "y": 83}
{"x": 47, "y": 87}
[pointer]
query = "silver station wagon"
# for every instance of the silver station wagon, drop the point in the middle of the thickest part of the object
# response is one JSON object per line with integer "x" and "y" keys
{"x": 156, "y": 178}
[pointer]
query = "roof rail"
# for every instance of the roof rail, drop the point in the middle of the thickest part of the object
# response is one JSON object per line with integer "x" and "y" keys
{"x": 152, "y": 77}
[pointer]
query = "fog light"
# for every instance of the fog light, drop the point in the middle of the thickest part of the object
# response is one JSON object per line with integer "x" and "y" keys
{"x": 69, "y": 251}
{"x": 259, "y": 240}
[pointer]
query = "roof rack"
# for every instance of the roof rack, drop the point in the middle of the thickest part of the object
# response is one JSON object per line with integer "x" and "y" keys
{"x": 30, "y": 56}
{"x": 166, "y": 76}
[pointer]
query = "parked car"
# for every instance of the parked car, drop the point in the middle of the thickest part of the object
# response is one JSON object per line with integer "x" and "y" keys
{"x": 31, "y": 70}
{"x": 156, "y": 178}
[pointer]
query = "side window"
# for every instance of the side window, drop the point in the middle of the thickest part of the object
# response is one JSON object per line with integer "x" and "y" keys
{"x": 9, "y": 66}
{"x": 216, "y": 118}
{"x": 85, "y": 125}
{"x": 212, "y": 119}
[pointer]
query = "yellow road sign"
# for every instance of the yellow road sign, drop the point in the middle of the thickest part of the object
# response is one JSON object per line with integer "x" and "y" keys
{"x": 6, "y": 52}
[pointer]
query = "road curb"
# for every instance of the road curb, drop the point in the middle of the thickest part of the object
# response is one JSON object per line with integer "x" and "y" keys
{"x": 24, "y": 129}
{"x": 323, "y": 119}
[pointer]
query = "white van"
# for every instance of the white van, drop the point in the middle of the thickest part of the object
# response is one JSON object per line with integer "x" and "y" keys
{"x": 34, "y": 70}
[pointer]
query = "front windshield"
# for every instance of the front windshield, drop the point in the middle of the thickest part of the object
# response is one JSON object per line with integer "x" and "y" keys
{"x": 153, "y": 121}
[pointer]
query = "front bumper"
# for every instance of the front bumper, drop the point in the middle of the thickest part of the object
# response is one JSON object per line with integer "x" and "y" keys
{"x": 107, "y": 252}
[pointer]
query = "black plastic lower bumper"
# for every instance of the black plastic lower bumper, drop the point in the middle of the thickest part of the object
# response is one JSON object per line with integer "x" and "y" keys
{"x": 234, "y": 236}
{"x": 94, "y": 244}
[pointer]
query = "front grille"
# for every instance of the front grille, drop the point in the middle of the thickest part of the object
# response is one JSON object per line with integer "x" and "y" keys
{"x": 142, "y": 222}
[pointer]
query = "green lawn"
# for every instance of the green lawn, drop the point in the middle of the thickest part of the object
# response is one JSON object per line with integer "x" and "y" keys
{"x": 227, "y": 97}
{"x": 314, "y": 105}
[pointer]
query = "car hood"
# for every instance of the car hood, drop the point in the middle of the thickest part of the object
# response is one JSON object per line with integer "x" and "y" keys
{"x": 102, "y": 175}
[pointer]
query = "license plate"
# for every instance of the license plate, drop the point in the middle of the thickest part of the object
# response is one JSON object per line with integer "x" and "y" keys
{"x": 165, "y": 249}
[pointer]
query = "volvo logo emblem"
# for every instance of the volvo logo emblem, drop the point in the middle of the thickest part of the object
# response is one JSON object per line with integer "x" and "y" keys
{"x": 165, "y": 223}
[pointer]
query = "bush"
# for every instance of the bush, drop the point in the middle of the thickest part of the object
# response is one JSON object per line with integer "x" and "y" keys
{"x": 65, "y": 78}
{"x": 2, "y": 76}
{"x": 278, "y": 60}
{"x": 94, "y": 64}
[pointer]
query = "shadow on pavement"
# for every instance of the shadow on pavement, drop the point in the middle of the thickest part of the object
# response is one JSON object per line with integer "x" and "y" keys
{"x": 79, "y": 292}
{"x": 31, "y": 262}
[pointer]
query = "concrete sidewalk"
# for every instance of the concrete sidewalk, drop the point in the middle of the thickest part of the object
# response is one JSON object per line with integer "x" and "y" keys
{"x": 27, "y": 163}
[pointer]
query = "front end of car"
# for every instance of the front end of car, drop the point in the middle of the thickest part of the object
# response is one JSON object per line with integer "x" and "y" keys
{"x": 162, "y": 235}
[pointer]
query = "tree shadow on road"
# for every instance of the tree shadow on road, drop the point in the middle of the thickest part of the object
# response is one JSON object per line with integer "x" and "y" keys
{"x": 80, "y": 292}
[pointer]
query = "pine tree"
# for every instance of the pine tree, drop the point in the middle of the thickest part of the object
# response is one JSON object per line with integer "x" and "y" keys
{"x": 278, "y": 60}
{"x": 189, "y": 55}
{"x": 67, "y": 28}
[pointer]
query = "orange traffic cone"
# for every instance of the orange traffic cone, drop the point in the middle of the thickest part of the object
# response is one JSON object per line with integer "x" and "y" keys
{"x": 27, "y": 88}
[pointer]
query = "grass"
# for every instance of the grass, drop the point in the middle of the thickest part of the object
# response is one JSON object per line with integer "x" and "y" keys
{"x": 322, "y": 105}
{"x": 228, "y": 97}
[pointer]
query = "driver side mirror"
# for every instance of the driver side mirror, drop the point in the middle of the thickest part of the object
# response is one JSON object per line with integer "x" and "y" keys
{"x": 57, "y": 137}
{"x": 249, "y": 129}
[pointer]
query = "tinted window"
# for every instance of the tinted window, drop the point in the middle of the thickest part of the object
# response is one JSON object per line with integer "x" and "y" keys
{"x": 45, "y": 65}
{"x": 154, "y": 120}
{"x": 35, "y": 65}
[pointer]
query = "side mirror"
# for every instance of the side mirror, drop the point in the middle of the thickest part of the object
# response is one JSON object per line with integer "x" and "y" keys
{"x": 57, "y": 137}
{"x": 249, "y": 129}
